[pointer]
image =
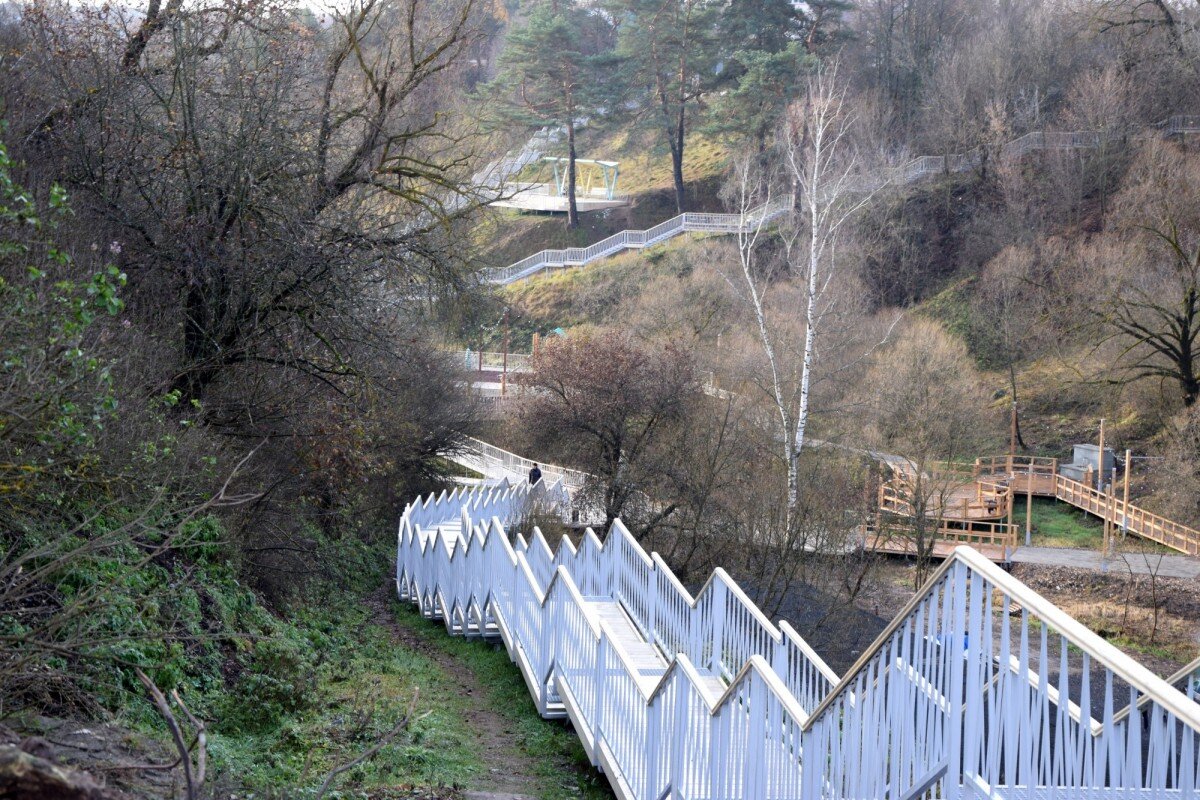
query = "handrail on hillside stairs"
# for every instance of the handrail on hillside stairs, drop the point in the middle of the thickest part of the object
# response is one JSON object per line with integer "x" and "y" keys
{"x": 635, "y": 239}
{"x": 911, "y": 171}
{"x": 489, "y": 459}
{"x": 978, "y": 687}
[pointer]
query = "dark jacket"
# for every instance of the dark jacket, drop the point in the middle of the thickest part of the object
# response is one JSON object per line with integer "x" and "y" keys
{"x": 535, "y": 475}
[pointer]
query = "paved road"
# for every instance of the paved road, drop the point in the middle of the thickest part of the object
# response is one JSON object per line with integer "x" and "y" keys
{"x": 1166, "y": 566}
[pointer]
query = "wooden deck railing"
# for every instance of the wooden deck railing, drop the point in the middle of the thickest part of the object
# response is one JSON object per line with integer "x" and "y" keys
{"x": 1128, "y": 517}
{"x": 1040, "y": 476}
{"x": 972, "y": 532}
{"x": 982, "y": 500}
{"x": 971, "y": 522}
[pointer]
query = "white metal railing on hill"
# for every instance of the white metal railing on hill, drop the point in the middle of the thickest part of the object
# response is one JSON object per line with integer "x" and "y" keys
{"x": 909, "y": 172}
{"x": 690, "y": 221}
{"x": 979, "y": 687}
{"x": 490, "y": 460}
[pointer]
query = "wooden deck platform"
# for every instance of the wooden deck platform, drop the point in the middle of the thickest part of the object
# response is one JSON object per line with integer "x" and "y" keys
{"x": 972, "y": 504}
{"x": 892, "y": 544}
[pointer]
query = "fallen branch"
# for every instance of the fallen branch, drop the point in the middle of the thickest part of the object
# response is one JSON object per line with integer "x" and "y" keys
{"x": 367, "y": 755}
{"x": 195, "y": 781}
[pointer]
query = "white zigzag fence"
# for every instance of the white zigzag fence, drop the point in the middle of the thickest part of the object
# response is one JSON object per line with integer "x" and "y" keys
{"x": 628, "y": 239}
{"x": 911, "y": 171}
{"x": 978, "y": 688}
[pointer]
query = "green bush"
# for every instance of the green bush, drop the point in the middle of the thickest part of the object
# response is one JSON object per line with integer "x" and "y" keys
{"x": 280, "y": 679}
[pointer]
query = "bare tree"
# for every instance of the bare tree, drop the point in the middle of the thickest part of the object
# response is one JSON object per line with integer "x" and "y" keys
{"x": 607, "y": 404}
{"x": 1159, "y": 318}
{"x": 926, "y": 408}
{"x": 1010, "y": 316}
{"x": 821, "y": 165}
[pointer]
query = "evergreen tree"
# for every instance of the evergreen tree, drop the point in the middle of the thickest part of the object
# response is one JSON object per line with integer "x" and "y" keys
{"x": 771, "y": 46}
{"x": 673, "y": 56}
{"x": 768, "y": 26}
{"x": 766, "y": 84}
{"x": 556, "y": 69}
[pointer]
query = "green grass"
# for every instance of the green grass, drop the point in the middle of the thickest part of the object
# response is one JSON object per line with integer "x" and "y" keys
{"x": 559, "y": 758}
{"x": 365, "y": 680}
{"x": 1057, "y": 524}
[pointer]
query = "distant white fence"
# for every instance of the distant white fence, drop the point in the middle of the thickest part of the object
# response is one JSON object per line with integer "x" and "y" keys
{"x": 492, "y": 461}
{"x": 909, "y": 172}
{"x": 633, "y": 239}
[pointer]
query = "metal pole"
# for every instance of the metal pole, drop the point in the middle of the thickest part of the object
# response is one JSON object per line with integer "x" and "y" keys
{"x": 504, "y": 368}
{"x": 1107, "y": 522}
{"x": 1100, "y": 460}
{"x": 1112, "y": 502}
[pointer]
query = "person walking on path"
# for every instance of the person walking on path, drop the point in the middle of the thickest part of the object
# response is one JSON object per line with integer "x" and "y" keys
{"x": 535, "y": 475}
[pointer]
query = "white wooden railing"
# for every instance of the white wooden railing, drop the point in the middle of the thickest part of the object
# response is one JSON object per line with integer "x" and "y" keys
{"x": 979, "y": 687}
{"x": 488, "y": 459}
{"x": 630, "y": 239}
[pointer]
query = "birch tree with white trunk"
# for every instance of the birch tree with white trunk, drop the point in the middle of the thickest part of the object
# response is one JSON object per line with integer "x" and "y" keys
{"x": 816, "y": 156}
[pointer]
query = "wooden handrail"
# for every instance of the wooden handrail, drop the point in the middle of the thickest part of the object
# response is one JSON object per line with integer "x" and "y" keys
{"x": 1134, "y": 519}
{"x": 1043, "y": 473}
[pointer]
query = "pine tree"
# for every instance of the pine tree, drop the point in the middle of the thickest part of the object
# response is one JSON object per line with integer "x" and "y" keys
{"x": 555, "y": 70}
{"x": 673, "y": 53}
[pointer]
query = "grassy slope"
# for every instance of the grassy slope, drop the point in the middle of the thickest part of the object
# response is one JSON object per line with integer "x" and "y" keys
{"x": 364, "y": 685}
{"x": 374, "y": 652}
{"x": 509, "y": 236}
{"x": 582, "y": 296}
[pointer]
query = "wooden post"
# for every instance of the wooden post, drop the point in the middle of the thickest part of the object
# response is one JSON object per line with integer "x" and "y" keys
{"x": 1100, "y": 461}
{"x": 1029, "y": 506}
{"x": 536, "y": 341}
{"x": 504, "y": 368}
{"x": 1125, "y": 498}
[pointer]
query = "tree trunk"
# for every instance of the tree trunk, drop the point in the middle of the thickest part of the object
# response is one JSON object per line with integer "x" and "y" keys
{"x": 572, "y": 206}
{"x": 1012, "y": 382}
{"x": 677, "y": 161}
